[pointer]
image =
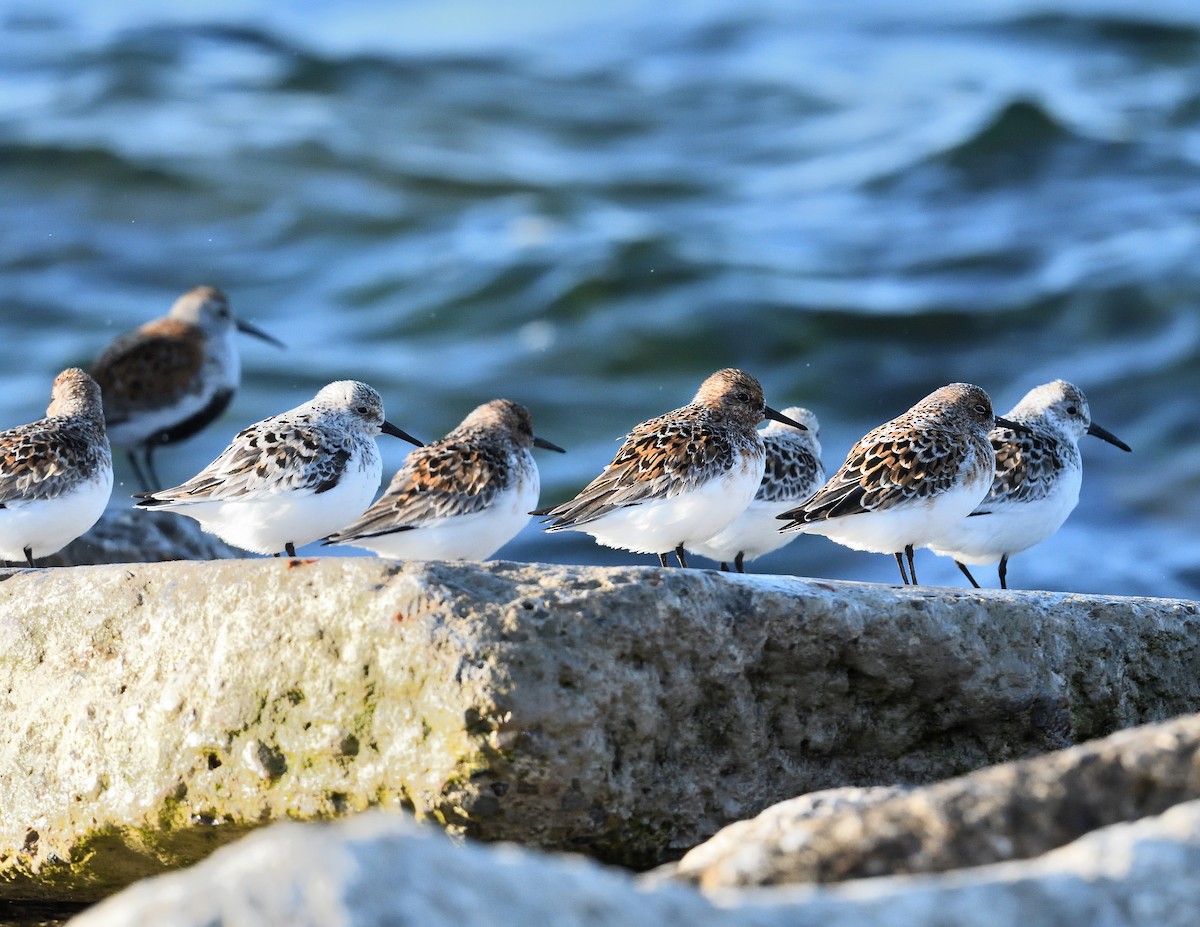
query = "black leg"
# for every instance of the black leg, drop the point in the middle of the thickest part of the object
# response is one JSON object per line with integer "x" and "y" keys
{"x": 290, "y": 548}
{"x": 662, "y": 560}
{"x": 276, "y": 554}
{"x": 679, "y": 554}
{"x": 29, "y": 556}
{"x": 137, "y": 471}
{"x": 912, "y": 567}
{"x": 966, "y": 573}
{"x": 900, "y": 563}
{"x": 724, "y": 567}
{"x": 1004, "y": 572}
{"x": 150, "y": 467}
{"x": 740, "y": 561}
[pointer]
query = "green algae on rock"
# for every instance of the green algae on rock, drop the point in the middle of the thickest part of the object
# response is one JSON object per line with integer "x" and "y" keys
{"x": 155, "y": 711}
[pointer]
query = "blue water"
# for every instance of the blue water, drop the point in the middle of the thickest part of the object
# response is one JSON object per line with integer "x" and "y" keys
{"x": 589, "y": 211}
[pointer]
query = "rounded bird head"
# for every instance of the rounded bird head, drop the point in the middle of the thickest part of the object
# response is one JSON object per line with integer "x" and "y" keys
{"x": 1059, "y": 405}
{"x": 963, "y": 402}
{"x": 734, "y": 393}
{"x": 503, "y": 415}
{"x": 805, "y": 417}
{"x": 207, "y": 308}
{"x": 510, "y": 420}
{"x": 361, "y": 405}
{"x": 75, "y": 393}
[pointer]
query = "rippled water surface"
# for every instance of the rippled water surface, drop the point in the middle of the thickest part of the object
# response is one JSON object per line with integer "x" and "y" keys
{"x": 589, "y": 212}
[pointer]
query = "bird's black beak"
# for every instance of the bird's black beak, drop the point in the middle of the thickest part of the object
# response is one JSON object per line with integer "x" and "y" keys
{"x": 258, "y": 333}
{"x": 389, "y": 429}
{"x": 1105, "y": 435}
{"x": 543, "y": 443}
{"x": 770, "y": 413}
{"x": 1014, "y": 426}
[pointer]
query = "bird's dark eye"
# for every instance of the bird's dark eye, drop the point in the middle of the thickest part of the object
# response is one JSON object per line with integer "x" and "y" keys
{"x": 981, "y": 408}
{"x": 1071, "y": 410}
{"x": 363, "y": 410}
{"x": 742, "y": 397}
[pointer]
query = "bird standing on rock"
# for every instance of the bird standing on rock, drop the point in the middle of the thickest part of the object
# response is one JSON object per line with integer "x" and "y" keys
{"x": 56, "y": 473}
{"x": 1036, "y": 482}
{"x": 461, "y": 497}
{"x": 906, "y": 480}
{"x": 680, "y": 478}
{"x": 292, "y": 478}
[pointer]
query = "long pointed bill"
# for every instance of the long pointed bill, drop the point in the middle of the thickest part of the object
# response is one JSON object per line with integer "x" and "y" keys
{"x": 770, "y": 413}
{"x": 543, "y": 443}
{"x": 1014, "y": 426}
{"x": 1105, "y": 435}
{"x": 258, "y": 333}
{"x": 390, "y": 429}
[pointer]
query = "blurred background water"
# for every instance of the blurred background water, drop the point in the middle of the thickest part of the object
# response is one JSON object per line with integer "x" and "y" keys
{"x": 588, "y": 210}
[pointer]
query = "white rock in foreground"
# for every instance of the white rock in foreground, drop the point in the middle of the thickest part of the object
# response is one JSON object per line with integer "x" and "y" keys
{"x": 379, "y": 870}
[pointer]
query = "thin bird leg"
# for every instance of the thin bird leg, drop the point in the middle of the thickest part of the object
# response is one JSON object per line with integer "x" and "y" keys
{"x": 966, "y": 573}
{"x": 290, "y": 548}
{"x": 137, "y": 471}
{"x": 724, "y": 567}
{"x": 912, "y": 567}
{"x": 1004, "y": 572}
{"x": 679, "y": 554}
{"x": 662, "y": 560}
{"x": 29, "y": 556}
{"x": 900, "y": 563}
{"x": 740, "y": 561}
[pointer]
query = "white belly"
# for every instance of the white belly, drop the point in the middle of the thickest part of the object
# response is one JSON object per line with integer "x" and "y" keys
{"x": 661, "y": 525}
{"x": 891, "y": 530}
{"x": 1008, "y": 529}
{"x": 265, "y": 523}
{"x": 461, "y": 537}
{"x": 753, "y": 533}
{"x": 48, "y": 525}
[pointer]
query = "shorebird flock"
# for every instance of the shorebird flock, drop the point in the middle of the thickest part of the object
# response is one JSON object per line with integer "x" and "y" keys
{"x": 948, "y": 474}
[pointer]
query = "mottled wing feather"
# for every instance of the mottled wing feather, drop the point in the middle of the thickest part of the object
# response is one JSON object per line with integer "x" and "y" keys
{"x": 275, "y": 454}
{"x": 35, "y": 457}
{"x": 150, "y": 367}
{"x": 790, "y": 473}
{"x": 658, "y": 459}
{"x": 885, "y": 468}
{"x": 438, "y": 481}
{"x": 1027, "y": 466}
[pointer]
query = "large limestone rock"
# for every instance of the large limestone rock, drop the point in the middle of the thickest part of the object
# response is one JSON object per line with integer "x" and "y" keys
{"x": 1012, "y": 811}
{"x": 380, "y": 870}
{"x": 149, "y": 713}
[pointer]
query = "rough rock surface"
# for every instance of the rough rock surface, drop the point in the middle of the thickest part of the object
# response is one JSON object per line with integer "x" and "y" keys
{"x": 743, "y": 846}
{"x": 380, "y": 870}
{"x": 152, "y": 712}
{"x": 1012, "y": 811}
{"x": 129, "y": 536}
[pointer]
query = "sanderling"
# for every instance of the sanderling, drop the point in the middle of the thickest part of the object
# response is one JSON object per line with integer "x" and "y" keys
{"x": 680, "y": 478}
{"x": 793, "y": 473}
{"x": 904, "y": 481}
{"x": 291, "y": 478}
{"x": 1036, "y": 483}
{"x": 461, "y": 497}
{"x": 56, "y": 473}
{"x": 168, "y": 379}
